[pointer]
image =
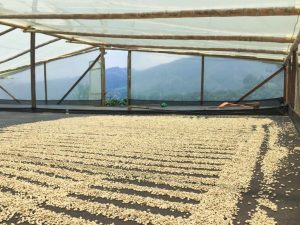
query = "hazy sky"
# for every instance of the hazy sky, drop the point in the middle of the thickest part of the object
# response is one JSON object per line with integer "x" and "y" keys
{"x": 140, "y": 60}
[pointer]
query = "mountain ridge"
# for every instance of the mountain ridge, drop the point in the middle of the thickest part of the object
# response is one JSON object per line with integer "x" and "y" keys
{"x": 177, "y": 80}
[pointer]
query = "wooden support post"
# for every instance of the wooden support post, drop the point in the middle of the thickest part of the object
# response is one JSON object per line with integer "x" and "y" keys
{"x": 289, "y": 66}
{"x": 260, "y": 84}
{"x": 202, "y": 81}
{"x": 10, "y": 95}
{"x": 292, "y": 80}
{"x": 129, "y": 80}
{"x": 79, "y": 79}
{"x": 103, "y": 80}
{"x": 32, "y": 69}
{"x": 297, "y": 89}
{"x": 45, "y": 83}
{"x": 285, "y": 85}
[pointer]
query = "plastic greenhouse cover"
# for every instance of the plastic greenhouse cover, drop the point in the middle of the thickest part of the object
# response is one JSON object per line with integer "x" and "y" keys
{"x": 17, "y": 41}
{"x": 116, "y": 6}
{"x": 274, "y": 26}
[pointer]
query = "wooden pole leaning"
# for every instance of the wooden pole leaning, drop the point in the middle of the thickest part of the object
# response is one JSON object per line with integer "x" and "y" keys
{"x": 9, "y": 94}
{"x": 260, "y": 84}
{"x": 79, "y": 79}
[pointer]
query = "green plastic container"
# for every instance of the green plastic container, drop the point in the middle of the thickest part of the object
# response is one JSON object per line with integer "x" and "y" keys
{"x": 163, "y": 105}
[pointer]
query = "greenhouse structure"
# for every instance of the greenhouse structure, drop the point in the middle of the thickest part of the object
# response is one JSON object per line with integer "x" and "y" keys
{"x": 149, "y": 112}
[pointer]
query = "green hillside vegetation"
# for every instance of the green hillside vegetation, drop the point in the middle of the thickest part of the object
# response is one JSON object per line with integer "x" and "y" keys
{"x": 225, "y": 79}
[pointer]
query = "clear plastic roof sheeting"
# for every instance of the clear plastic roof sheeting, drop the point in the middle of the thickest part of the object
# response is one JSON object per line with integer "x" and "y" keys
{"x": 119, "y": 6}
{"x": 260, "y": 26}
{"x": 17, "y": 42}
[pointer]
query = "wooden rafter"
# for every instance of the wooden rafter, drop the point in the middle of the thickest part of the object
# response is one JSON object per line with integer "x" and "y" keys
{"x": 7, "y": 31}
{"x": 240, "y": 50}
{"x": 171, "y": 51}
{"x": 99, "y": 44}
{"x": 267, "y": 11}
{"x": 177, "y": 37}
{"x": 28, "y": 51}
{"x": 205, "y": 54}
{"x": 75, "y": 53}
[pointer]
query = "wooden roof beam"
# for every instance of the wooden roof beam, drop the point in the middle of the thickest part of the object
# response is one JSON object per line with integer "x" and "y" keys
{"x": 172, "y": 51}
{"x": 239, "y": 50}
{"x": 267, "y": 11}
{"x": 208, "y": 54}
{"x": 250, "y": 38}
{"x": 7, "y": 31}
{"x": 68, "y": 55}
{"x": 28, "y": 51}
{"x": 77, "y": 40}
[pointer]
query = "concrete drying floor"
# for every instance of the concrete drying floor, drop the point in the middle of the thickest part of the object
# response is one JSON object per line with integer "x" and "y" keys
{"x": 69, "y": 169}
